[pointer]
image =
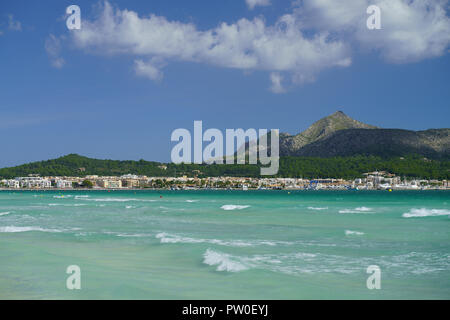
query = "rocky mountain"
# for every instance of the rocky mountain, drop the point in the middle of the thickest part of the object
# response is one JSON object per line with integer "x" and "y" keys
{"x": 434, "y": 143}
{"x": 340, "y": 135}
{"x": 325, "y": 127}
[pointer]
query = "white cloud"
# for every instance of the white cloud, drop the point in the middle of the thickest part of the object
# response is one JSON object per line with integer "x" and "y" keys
{"x": 277, "y": 86}
{"x": 148, "y": 69}
{"x": 13, "y": 24}
{"x": 254, "y": 3}
{"x": 53, "y": 49}
{"x": 412, "y": 30}
{"x": 316, "y": 36}
{"x": 245, "y": 45}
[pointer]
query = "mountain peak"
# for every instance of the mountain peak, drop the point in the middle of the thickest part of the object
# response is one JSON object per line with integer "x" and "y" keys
{"x": 339, "y": 113}
{"x": 323, "y": 128}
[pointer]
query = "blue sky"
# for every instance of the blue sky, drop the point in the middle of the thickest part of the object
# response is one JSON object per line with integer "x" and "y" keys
{"x": 109, "y": 91}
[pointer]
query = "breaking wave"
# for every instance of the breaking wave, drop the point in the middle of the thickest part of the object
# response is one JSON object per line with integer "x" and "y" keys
{"x": 4, "y": 213}
{"x": 65, "y": 205}
{"x": 353, "y": 233}
{"x": 318, "y": 208}
{"x": 223, "y": 261}
{"x": 12, "y": 229}
{"x": 356, "y": 210}
{"x": 172, "y": 238}
{"x": 114, "y": 199}
{"x": 423, "y": 212}
{"x": 229, "y": 207}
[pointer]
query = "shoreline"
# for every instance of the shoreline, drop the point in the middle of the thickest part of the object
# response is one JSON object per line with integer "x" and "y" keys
{"x": 218, "y": 189}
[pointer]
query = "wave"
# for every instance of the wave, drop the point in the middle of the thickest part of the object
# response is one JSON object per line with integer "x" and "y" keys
{"x": 423, "y": 212}
{"x": 356, "y": 233}
{"x": 296, "y": 263}
{"x": 223, "y": 261}
{"x": 318, "y": 208}
{"x": 65, "y": 205}
{"x": 114, "y": 199}
{"x": 12, "y": 229}
{"x": 273, "y": 262}
{"x": 63, "y": 196}
{"x": 4, "y": 213}
{"x": 229, "y": 207}
{"x": 133, "y": 235}
{"x": 191, "y": 201}
{"x": 356, "y": 210}
{"x": 172, "y": 238}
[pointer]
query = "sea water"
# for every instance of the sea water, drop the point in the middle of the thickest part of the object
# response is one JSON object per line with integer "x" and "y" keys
{"x": 225, "y": 244}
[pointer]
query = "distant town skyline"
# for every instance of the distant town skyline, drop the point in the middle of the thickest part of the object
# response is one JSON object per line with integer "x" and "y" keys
{"x": 136, "y": 71}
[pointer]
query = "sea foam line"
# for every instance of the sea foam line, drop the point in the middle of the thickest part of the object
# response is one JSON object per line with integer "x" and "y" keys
{"x": 318, "y": 208}
{"x": 13, "y": 229}
{"x": 230, "y": 207}
{"x": 172, "y": 238}
{"x": 356, "y": 210}
{"x": 423, "y": 212}
{"x": 355, "y": 233}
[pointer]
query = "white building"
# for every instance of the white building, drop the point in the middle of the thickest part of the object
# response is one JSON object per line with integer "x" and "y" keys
{"x": 34, "y": 182}
{"x": 63, "y": 184}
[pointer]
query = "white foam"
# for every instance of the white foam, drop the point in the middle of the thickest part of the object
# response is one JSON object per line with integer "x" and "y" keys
{"x": 191, "y": 201}
{"x": 65, "y": 205}
{"x": 173, "y": 238}
{"x": 4, "y": 213}
{"x": 355, "y": 233}
{"x": 223, "y": 261}
{"x": 229, "y": 207}
{"x": 318, "y": 208}
{"x": 12, "y": 229}
{"x": 356, "y": 210}
{"x": 115, "y": 200}
{"x": 423, "y": 212}
{"x": 63, "y": 196}
{"x": 134, "y": 235}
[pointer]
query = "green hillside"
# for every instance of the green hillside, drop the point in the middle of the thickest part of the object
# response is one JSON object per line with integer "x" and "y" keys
{"x": 306, "y": 167}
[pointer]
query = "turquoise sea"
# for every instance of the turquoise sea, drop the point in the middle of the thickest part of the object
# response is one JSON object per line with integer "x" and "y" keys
{"x": 225, "y": 244}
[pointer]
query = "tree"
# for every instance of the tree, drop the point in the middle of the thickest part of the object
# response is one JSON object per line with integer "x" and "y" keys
{"x": 87, "y": 184}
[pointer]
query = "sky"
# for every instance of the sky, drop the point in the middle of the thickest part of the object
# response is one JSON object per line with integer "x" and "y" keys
{"x": 137, "y": 70}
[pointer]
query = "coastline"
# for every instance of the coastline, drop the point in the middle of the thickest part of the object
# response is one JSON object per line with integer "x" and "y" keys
{"x": 217, "y": 189}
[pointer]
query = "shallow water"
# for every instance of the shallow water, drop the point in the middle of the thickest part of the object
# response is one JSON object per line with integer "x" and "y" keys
{"x": 225, "y": 244}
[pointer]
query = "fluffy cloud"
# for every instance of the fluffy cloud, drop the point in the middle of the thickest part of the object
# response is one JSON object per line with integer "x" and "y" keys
{"x": 254, "y": 3}
{"x": 53, "y": 49}
{"x": 149, "y": 69}
{"x": 412, "y": 30}
{"x": 317, "y": 35}
{"x": 247, "y": 45}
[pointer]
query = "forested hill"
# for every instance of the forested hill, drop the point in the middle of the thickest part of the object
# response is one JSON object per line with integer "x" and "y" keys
{"x": 306, "y": 167}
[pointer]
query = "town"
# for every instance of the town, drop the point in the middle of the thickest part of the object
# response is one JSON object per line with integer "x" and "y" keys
{"x": 378, "y": 180}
